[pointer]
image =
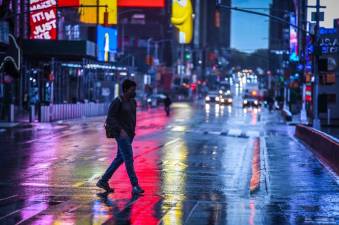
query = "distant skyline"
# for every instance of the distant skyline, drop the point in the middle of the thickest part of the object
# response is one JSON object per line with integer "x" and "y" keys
{"x": 249, "y": 32}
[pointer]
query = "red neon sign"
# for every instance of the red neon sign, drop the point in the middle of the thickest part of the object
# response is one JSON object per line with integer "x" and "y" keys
{"x": 142, "y": 3}
{"x": 43, "y": 19}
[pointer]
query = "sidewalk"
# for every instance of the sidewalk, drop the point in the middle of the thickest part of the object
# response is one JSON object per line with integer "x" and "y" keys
{"x": 8, "y": 124}
{"x": 4, "y": 126}
{"x": 333, "y": 131}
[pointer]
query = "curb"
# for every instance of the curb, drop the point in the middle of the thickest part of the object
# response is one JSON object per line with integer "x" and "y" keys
{"x": 287, "y": 115}
{"x": 323, "y": 145}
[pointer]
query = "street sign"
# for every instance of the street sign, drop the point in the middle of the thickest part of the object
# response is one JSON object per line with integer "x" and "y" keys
{"x": 321, "y": 16}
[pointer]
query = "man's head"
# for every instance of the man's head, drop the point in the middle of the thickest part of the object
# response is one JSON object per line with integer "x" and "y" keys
{"x": 128, "y": 88}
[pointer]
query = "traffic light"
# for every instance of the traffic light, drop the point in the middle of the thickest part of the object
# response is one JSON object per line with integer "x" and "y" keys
{"x": 323, "y": 65}
{"x": 326, "y": 67}
{"x": 327, "y": 64}
{"x": 188, "y": 56}
{"x": 182, "y": 13}
{"x": 48, "y": 73}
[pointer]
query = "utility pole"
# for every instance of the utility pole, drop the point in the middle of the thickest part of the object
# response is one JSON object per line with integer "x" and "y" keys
{"x": 156, "y": 56}
{"x": 316, "y": 121}
{"x": 181, "y": 68}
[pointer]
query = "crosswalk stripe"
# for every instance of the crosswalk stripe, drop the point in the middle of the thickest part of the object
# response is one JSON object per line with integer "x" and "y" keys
{"x": 234, "y": 132}
{"x": 231, "y": 132}
{"x": 253, "y": 133}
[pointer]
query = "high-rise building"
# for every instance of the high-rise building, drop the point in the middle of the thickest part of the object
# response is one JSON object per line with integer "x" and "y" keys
{"x": 287, "y": 41}
{"x": 212, "y": 24}
{"x": 212, "y": 32}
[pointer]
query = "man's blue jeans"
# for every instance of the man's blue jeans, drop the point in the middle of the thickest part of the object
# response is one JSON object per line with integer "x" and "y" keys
{"x": 124, "y": 155}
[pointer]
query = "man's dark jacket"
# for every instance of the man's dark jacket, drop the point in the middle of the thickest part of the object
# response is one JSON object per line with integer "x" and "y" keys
{"x": 122, "y": 115}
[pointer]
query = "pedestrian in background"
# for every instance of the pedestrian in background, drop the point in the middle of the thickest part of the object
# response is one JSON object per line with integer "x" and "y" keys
{"x": 167, "y": 104}
{"x": 120, "y": 124}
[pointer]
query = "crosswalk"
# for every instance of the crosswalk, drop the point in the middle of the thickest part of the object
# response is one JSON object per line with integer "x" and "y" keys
{"x": 230, "y": 132}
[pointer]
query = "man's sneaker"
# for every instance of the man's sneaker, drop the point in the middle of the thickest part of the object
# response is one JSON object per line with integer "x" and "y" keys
{"x": 104, "y": 185}
{"x": 137, "y": 190}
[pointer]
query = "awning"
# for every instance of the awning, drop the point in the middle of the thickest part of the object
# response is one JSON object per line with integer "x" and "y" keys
{"x": 62, "y": 49}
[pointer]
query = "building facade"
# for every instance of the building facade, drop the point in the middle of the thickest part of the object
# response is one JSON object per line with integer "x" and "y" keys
{"x": 63, "y": 58}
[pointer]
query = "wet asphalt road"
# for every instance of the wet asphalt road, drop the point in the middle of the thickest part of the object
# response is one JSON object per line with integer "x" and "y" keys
{"x": 206, "y": 164}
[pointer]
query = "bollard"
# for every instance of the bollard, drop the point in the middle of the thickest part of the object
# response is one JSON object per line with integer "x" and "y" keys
{"x": 42, "y": 114}
{"x": 11, "y": 113}
{"x": 32, "y": 113}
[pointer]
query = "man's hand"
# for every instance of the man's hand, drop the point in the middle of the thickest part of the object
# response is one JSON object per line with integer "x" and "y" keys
{"x": 123, "y": 134}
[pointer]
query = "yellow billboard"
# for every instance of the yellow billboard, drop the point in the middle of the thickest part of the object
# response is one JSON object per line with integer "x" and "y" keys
{"x": 88, "y": 11}
{"x": 182, "y": 18}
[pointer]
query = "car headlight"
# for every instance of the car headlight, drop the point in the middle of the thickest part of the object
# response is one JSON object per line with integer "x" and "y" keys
{"x": 217, "y": 99}
{"x": 222, "y": 100}
{"x": 207, "y": 98}
{"x": 230, "y": 100}
{"x": 245, "y": 101}
{"x": 256, "y": 102}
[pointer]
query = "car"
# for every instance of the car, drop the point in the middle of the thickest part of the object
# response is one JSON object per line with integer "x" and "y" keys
{"x": 212, "y": 97}
{"x": 226, "y": 99}
{"x": 249, "y": 101}
{"x": 155, "y": 99}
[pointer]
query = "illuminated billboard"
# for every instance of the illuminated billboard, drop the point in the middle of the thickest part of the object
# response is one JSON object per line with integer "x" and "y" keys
{"x": 142, "y": 3}
{"x": 43, "y": 20}
{"x": 107, "y": 39}
{"x": 89, "y": 14}
{"x": 182, "y": 19}
{"x": 68, "y": 3}
{"x": 294, "y": 56}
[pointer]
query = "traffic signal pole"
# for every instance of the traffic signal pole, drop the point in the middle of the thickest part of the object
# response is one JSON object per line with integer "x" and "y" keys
{"x": 316, "y": 121}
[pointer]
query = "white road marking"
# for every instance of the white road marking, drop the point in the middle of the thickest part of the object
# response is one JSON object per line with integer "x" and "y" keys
{"x": 234, "y": 132}
{"x": 252, "y": 133}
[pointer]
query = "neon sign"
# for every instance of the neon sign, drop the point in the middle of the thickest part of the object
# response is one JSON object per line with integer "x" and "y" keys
{"x": 43, "y": 20}
{"x": 293, "y": 39}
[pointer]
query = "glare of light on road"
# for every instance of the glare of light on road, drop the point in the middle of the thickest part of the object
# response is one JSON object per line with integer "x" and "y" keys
{"x": 222, "y": 110}
{"x": 217, "y": 110}
{"x": 254, "y": 118}
{"x": 179, "y": 128}
{"x": 173, "y": 186}
{"x": 207, "y": 108}
{"x": 229, "y": 109}
{"x": 207, "y": 112}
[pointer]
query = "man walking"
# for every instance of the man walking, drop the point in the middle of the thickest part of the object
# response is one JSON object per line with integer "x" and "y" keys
{"x": 167, "y": 104}
{"x": 121, "y": 119}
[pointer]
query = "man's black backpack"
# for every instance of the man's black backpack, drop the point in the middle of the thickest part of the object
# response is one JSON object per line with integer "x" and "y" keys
{"x": 111, "y": 132}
